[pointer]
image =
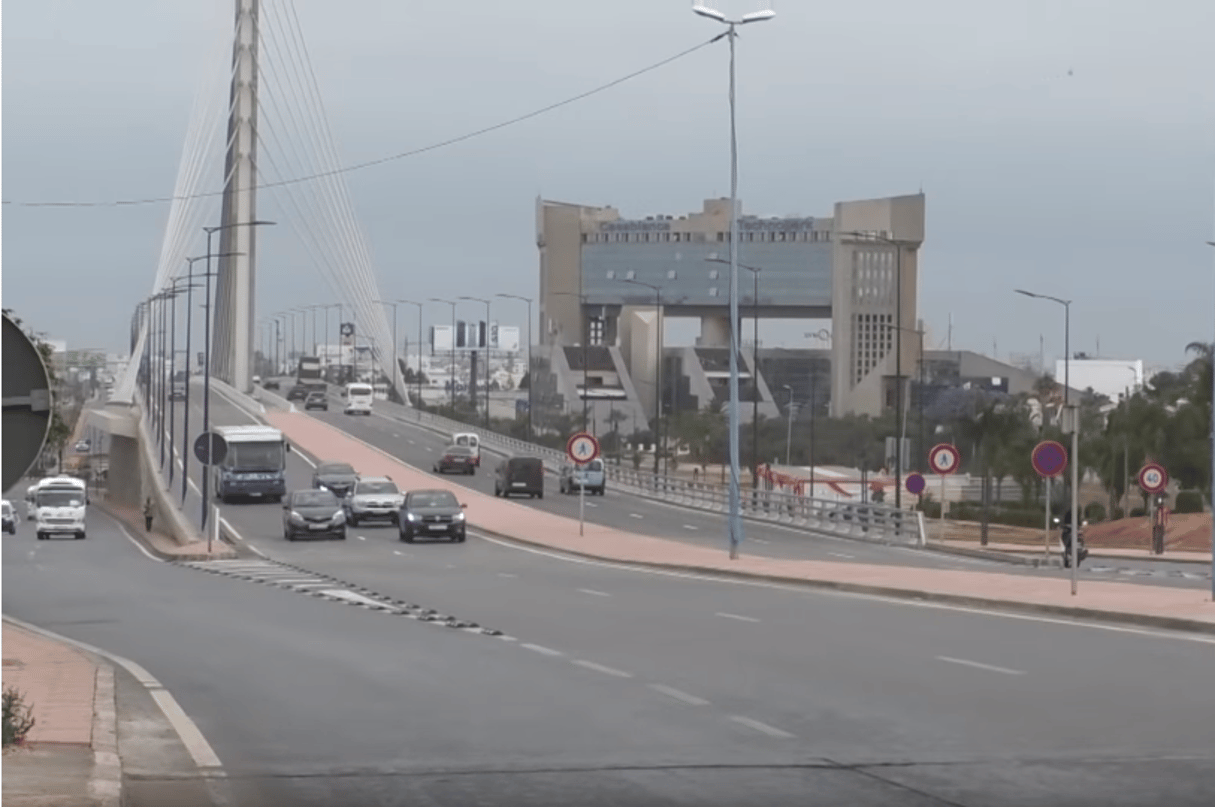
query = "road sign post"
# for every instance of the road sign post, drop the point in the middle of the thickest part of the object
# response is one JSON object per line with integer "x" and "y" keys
{"x": 582, "y": 448}
{"x": 1049, "y": 459}
{"x": 944, "y": 459}
{"x": 1153, "y": 479}
{"x": 210, "y": 448}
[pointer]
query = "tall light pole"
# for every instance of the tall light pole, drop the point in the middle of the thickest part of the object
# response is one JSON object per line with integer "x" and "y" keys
{"x": 482, "y": 300}
{"x": 531, "y": 381}
{"x": 453, "y": 345}
{"x": 187, "y": 290}
{"x": 1211, "y": 356}
{"x": 210, "y": 231}
{"x": 418, "y": 375}
{"x": 585, "y": 358}
{"x": 789, "y": 427}
{"x": 1073, "y": 421}
{"x": 754, "y": 270}
{"x": 898, "y": 344}
{"x": 657, "y": 362}
{"x": 736, "y": 525}
{"x": 394, "y": 340}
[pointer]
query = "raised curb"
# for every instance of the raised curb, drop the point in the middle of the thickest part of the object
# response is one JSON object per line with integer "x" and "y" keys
{"x": 996, "y": 555}
{"x": 105, "y": 785}
{"x": 1011, "y": 606}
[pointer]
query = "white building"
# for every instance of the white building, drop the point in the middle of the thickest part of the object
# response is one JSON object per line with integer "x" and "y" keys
{"x": 1110, "y": 377}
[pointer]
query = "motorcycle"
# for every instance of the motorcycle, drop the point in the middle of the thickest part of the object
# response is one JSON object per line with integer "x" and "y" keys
{"x": 1066, "y": 537}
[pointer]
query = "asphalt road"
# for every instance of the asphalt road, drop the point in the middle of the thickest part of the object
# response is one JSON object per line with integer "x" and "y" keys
{"x": 419, "y": 447}
{"x": 617, "y": 687}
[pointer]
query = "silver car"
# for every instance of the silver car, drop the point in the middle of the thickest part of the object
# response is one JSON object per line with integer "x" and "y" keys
{"x": 373, "y": 498}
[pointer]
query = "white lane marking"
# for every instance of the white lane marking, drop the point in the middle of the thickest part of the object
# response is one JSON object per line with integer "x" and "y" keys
{"x": 840, "y": 555}
{"x": 394, "y": 434}
{"x": 979, "y": 666}
{"x": 739, "y": 617}
{"x": 761, "y": 541}
{"x": 590, "y": 665}
{"x": 690, "y": 527}
{"x": 506, "y": 574}
{"x": 636, "y": 515}
{"x": 196, "y": 745}
{"x": 594, "y": 592}
{"x": 344, "y": 594}
{"x": 591, "y": 504}
{"x": 763, "y": 728}
{"x": 412, "y": 443}
{"x": 399, "y": 552}
{"x": 428, "y": 448}
{"x": 547, "y": 651}
{"x": 123, "y": 529}
{"x": 900, "y": 602}
{"x": 679, "y": 695}
{"x": 362, "y": 537}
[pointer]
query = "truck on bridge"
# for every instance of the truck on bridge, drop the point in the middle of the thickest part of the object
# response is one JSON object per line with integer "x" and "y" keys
{"x": 308, "y": 378}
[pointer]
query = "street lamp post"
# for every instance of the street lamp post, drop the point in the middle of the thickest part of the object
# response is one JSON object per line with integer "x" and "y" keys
{"x": 418, "y": 375}
{"x": 754, "y": 270}
{"x": 481, "y": 300}
{"x": 531, "y": 381}
{"x": 453, "y": 346}
{"x": 657, "y": 362}
{"x": 1211, "y": 356}
{"x": 394, "y": 340}
{"x": 736, "y": 525}
{"x": 1073, "y": 420}
{"x": 187, "y": 289}
{"x": 898, "y": 346}
{"x": 210, "y": 231}
{"x": 789, "y": 427}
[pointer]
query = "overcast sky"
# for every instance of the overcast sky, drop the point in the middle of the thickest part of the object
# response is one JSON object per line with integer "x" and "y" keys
{"x": 1065, "y": 146}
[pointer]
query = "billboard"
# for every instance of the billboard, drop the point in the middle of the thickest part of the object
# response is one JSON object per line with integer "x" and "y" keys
{"x": 474, "y": 336}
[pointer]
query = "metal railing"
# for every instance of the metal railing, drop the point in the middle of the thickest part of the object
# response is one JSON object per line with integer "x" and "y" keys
{"x": 860, "y": 521}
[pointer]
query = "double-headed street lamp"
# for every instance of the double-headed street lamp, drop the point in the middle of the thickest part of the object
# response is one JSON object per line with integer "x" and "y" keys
{"x": 657, "y": 363}
{"x": 736, "y": 525}
{"x": 188, "y": 290}
{"x": 453, "y": 345}
{"x": 487, "y": 346}
{"x": 210, "y": 231}
{"x": 531, "y": 381}
{"x": 1071, "y": 421}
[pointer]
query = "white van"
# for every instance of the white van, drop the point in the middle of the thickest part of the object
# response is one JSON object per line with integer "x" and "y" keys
{"x": 359, "y": 399}
{"x": 470, "y": 441}
{"x": 60, "y": 503}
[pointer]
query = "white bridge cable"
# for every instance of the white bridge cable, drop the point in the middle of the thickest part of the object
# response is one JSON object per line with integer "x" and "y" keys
{"x": 201, "y": 130}
{"x": 269, "y": 103}
{"x": 374, "y": 312}
{"x": 357, "y": 273}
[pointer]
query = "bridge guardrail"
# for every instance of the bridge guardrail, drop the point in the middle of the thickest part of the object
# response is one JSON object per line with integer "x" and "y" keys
{"x": 866, "y": 522}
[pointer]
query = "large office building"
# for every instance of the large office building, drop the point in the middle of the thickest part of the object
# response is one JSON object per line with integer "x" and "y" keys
{"x": 606, "y": 282}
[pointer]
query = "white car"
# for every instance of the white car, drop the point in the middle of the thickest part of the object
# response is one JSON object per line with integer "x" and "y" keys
{"x": 373, "y": 498}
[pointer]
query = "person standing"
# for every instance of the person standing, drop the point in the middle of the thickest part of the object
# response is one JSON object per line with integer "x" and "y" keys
{"x": 147, "y": 514}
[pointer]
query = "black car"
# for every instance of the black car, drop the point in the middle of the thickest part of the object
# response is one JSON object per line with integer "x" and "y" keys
{"x": 298, "y": 392}
{"x": 458, "y": 459}
{"x": 520, "y": 475}
{"x": 316, "y": 400}
{"x": 270, "y": 383}
{"x": 10, "y": 518}
{"x": 313, "y": 512}
{"x": 338, "y": 477}
{"x": 432, "y": 512}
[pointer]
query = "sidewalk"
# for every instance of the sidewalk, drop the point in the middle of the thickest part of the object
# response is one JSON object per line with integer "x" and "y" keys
{"x": 70, "y": 756}
{"x": 1159, "y": 606}
{"x": 161, "y": 545}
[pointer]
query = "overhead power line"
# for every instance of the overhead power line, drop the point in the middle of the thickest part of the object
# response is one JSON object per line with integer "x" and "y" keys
{"x": 392, "y": 157}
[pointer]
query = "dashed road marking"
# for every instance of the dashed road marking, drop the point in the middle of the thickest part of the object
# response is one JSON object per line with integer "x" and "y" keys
{"x": 763, "y": 728}
{"x": 636, "y": 515}
{"x": 590, "y": 665}
{"x": 841, "y": 555}
{"x": 980, "y": 666}
{"x": 412, "y": 443}
{"x": 362, "y": 537}
{"x": 594, "y": 592}
{"x": 591, "y": 504}
{"x": 678, "y": 694}
{"x": 761, "y": 541}
{"x": 542, "y": 650}
{"x": 506, "y": 574}
{"x": 739, "y": 617}
{"x": 690, "y": 527}
{"x": 428, "y": 448}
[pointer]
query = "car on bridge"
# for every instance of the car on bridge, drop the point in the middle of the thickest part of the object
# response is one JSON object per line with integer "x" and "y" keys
{"x": 588, "y": 476}
{"x": 374, "y": 498}
{"x": 316, "y": 400}
{"x": 313, "y": 512}
{"x": 9, "y": 517}
{"x": 338, "y": 477}
{"x": 435, "y": 513}
{"x": 457, "y": 459}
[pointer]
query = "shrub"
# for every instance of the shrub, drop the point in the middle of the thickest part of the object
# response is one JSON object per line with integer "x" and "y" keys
{"x": 1095, "y": 511}
{"x": 18, "y": 719}
{"x": 1138, "y": 512}
{"x": 1188, "y": 501}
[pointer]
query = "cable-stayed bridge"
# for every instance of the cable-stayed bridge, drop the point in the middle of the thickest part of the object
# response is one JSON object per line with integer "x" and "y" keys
{"x": 264, "y": 143}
